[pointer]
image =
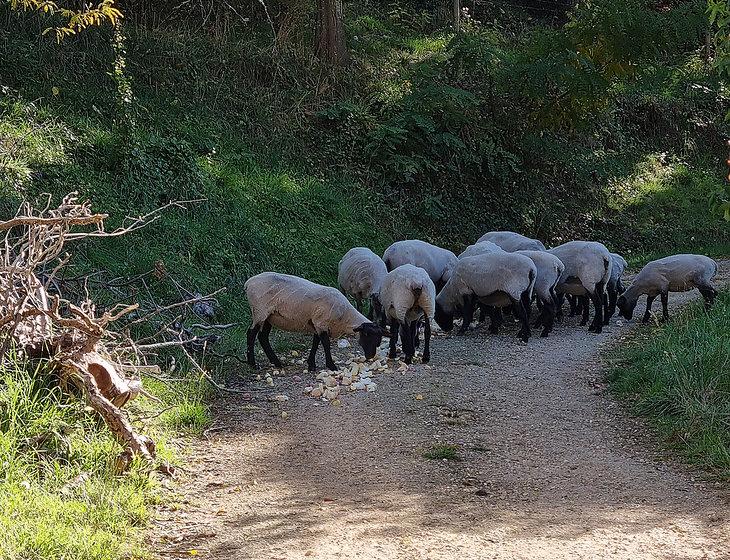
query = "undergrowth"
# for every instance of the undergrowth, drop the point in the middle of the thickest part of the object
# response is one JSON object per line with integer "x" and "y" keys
{"x": 676, "y": 375}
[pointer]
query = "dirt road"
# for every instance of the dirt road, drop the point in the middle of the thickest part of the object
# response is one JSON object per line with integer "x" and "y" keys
{"x": 551, "y": 467}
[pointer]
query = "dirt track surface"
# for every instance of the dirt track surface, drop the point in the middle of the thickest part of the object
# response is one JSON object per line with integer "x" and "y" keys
{"x": 551, "y": 467}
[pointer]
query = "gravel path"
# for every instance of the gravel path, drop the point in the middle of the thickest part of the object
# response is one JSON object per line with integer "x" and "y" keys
{"x": 550, "y": 467}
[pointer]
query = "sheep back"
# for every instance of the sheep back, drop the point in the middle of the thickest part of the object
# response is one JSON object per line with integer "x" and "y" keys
{"x": 587, "y": 263}
{"x": 549, "y": 270}
{"x": 676, "y": 273}
{"x": 480, "y": 248}
{"x": 436, "y": 261}
{"x": 361, "y": 273}
{"x": 485, "y": 275}
{"x": 511, "y": 241}
{"x": 618, "y": 268}
{"x": 407, "y": 293}
{"x": 294, "y": 304}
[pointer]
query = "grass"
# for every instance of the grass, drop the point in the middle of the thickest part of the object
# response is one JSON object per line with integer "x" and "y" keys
{"x": 60, "y": 498}
{"x": 677, "y": 377}
{"x": 443, "y": 451}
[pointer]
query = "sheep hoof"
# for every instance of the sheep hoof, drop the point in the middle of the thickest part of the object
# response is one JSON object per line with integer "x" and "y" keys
{"x": 408, "y": 359}
{"x": 332, "y": 367}
{"x": 425, "y": 358}
{"x": 544, "y": 334}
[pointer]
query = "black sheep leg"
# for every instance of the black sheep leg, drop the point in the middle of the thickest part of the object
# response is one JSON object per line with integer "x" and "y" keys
{"x": 312, "y": 360}
{"x": 597, "y": 298}
{"x": 325, "y": 338}
{"x": 708, "y": 294}
{"x": 585, "y": 310}
{"x": 482, "y": 312}
{"x": 250, "y": 343}
{"x": 548, "y": 318}
{"x": 426, "y": 340}
{"x": 665, "y": 305}
{"x": 266, "y": 345}
{"x": 647, "y": 313}
{"x": 611, "y": 299}
{"x": 495, "y": 319}
{"x": 521, "y": 313}
{"x": 407, "y": 341}
{"x": 467, "y": 315}
{"x": 394, "y": 327}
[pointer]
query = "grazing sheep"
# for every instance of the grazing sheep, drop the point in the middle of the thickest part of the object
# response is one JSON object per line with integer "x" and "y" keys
{"x": 549, "y": 270}
{"x": 678, "y": 273}
{"x": 481, "y": 248}
{"x": 437, "y": 262}
{"x": 615, "y": 287}
{"x": 408, "y": 294}
{"x": 511, "y": 241}
{"x": 294, "y": 304}
{"x": 587, "y": 270}
{"x": 360, "y": 275}
{"x": 494, "y": 279}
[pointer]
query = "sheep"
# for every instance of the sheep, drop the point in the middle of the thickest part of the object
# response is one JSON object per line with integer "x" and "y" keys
{"x": 511, "y": 241}
{"x": 587, "y": 270}
{"x": 408, "y": 294}
{"x": 494, "y": 279}
{"x": 437, "y": 262}
{"x": 614, "y": 288}
{"x": 480, "y": 248}
{"x": 360, "y": 275}
{"x": 549, "y": 270}
{"x": 294, "y": 304}
{"x": 677, "y": 273}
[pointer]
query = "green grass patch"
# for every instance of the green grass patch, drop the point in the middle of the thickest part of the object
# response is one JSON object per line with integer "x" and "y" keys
{"x": 443, "y": 451}
{"x": 677, "y": 377}
{"x": 60, "y": 498}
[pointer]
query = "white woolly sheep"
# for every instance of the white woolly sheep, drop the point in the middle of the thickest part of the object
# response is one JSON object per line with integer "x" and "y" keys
{"x": 511, "y": 241}
{"x": 614, "y": 288}
{"x": 497, "y": 280}
{"x": 480, "y": 248}
{"x": 678, "y": 273}
{"x": 587, "y": 270}
{"x": 549, "y": 270}
{"x": 408, "y": 294}
{"x": 437, "y": 262}
{"x": 294, "y": 304}
{"x": 360, "y": 275}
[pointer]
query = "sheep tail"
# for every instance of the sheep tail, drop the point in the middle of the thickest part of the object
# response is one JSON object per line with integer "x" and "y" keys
{"x": 532, "y": 276}
{"x": 417, "y": 292}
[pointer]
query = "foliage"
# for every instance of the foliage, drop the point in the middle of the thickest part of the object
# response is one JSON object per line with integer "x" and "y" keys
{"x": 443, "y": 451}
{"x": 74, "y": 21}
{"x": 676, "y": 376}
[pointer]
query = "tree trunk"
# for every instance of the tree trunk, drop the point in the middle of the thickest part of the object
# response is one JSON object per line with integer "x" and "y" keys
{"x": 457, "y": 15}
{"x": 330, "y": 39}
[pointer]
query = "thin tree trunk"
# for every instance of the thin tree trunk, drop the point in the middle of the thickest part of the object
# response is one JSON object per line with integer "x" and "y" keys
{"x": 457, "y": 15}
{"x": 330, "y": 39}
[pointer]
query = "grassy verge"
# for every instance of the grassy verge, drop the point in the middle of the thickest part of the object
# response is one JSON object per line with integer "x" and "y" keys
{"x": 677, "y": 377}
{"x": 59, "y": 496}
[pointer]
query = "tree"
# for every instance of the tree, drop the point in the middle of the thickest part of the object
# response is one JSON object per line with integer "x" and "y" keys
{"x": 73, "y": 21}
{"x": 457, "y": 15}
{"x": 330, "y": 37}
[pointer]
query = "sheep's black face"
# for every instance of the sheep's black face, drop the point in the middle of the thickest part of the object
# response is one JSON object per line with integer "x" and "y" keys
{"x": 443, "y": 319}
{"x": 371, "y": 335}
{"x": 626, "y": 309}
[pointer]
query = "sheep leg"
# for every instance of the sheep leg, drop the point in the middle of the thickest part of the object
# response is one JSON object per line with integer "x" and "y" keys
{"x": 573, "y": 302}
{"x": 406, "y": 335}
{"x": 266, "y": 345}
{"x": 312, "y": 360}
{"x": 610, "y": 307}
{"x": 414, "y": 330}
{"x": 526, "y": 303}
{"x": 250, "y": 343}
{"x": 496, "y": 319}
{"x": 665, "y": 302}
{"x": 324, "y": 337}
{"x": 597, "y": 298}
{"x": 559, "y": 300}
{"x": 548, "y": 318}
{"x": 467, "y": 315}
{"x": 426, "y": 341}
{"x": 584, "y": 309}
{"x": 518, "y": 307}
{"x": 708, "y": 294}
{"x": 394, "y": 327}
{"x": 647, "y": 313}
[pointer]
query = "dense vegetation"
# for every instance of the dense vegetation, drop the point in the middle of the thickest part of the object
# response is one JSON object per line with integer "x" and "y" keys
{"x": 604, "y": 122}
{"x": 677, "y": 377}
